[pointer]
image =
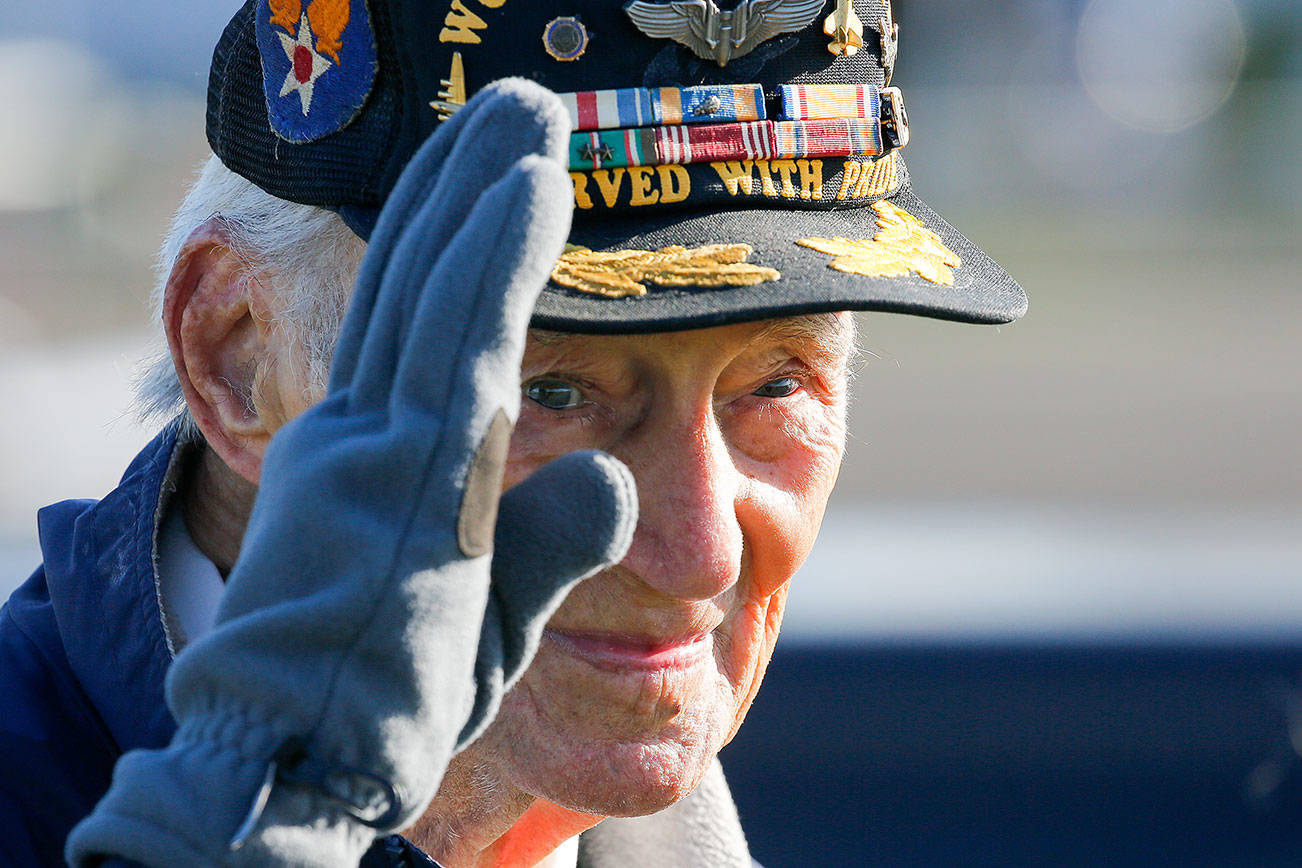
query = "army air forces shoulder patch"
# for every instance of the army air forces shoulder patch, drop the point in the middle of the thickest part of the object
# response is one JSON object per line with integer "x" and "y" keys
{"x": 318, "y": 64}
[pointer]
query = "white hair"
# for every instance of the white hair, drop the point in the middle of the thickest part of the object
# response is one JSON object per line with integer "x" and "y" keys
{"x": 311, "y": 258}
{"x": 309, "y": 255}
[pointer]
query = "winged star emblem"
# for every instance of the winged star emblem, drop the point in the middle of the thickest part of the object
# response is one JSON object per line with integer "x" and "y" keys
{"x": 717, "y": 35}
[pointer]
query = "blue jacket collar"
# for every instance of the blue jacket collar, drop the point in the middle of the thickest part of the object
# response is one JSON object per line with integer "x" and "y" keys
{"x": 99, "y": 564}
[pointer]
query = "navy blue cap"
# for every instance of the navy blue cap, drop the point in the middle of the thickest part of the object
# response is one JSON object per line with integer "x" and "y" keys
{"x": 324, "y": 101}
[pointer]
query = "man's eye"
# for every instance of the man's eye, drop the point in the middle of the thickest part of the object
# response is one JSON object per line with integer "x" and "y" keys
{"x": 783, "y": 387}
{"x": 554, "y": 394}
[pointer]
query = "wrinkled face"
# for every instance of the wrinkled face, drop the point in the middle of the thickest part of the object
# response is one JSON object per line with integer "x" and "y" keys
{"x": 734, "y": 435}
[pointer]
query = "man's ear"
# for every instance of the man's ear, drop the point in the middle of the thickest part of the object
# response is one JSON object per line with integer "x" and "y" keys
{"x": 218, "y": 337}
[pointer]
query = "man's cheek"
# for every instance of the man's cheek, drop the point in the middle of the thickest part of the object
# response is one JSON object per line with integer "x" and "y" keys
{"x": 529, "y": 450}
{"x": 540, "y": 437}
{"x": 778, "y": 437}
{"x": 752, "y": 650}
{"x": 779, "y": 526}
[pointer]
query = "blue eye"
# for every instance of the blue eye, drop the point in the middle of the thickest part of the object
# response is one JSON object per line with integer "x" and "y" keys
{"x": 554, "y": 394}
{"x": 783, "y": 387}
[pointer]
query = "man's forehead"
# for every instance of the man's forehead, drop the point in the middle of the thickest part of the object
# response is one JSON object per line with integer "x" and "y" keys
{"x": 831, "y": 334}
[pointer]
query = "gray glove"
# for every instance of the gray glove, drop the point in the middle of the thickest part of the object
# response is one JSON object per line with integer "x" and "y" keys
{"x": 382, "y": 603}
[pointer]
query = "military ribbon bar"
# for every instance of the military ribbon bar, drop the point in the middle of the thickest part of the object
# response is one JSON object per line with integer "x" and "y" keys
{"x": 611, "y": 109}
{"x": 753, "y": 140}
{"x": 837, "y": 137}
{"x": 710, "y": 104}
{"x": 613, "y": 148}
{"x": 640, "y": 107}
{"x": 705, "y": 144}
{"x": 806, "y": 102}
{"x": 653, "y": 146}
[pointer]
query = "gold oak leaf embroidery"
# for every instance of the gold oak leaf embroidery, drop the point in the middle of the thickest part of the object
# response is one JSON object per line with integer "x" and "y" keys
{"x": 621, "y": 273}
{"x": 902, "y": 244}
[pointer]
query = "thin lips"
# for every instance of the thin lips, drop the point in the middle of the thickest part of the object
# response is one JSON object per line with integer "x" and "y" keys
{"x": 633, "y": 641}
{"x": 620, "y": 651}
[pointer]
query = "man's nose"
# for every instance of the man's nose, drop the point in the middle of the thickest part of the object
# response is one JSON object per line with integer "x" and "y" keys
{"x": 688, "y": 542}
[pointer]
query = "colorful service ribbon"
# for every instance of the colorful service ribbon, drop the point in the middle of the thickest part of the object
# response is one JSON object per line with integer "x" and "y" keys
{"x": 661, "y": 126}
{"x": 706, "y": 144}
{"x": 610, "y": 109}
{"x": 606, "y": 149}
{"x": 641, "y": 107}
{"x": 806, "y": 102}
{"x": 755, "y": 140}
{"x": 832, "y": 137}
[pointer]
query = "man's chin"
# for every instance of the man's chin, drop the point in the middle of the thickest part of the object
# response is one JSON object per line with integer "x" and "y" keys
{"x": 623, "y": 780}
{"x": 623, "y": 776}
{"x": 616, "y": 744}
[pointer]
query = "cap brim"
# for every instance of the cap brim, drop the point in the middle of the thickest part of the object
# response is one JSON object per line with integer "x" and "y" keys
{"x": 981, "y": 292}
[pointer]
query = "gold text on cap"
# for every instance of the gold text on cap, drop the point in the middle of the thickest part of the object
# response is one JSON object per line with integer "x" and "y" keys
{"x": 902, "y": 244}
{"x": 845, "y": 28}
{"x": 720, "y": 36}
{"x": 621, "y": 273}
{"x": 453, "y": 94}
{"x": 462, "y": 25}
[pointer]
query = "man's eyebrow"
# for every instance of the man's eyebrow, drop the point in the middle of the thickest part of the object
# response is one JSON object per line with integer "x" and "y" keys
{"x": 832, "y": 334}
{"x": 552, "y": 339}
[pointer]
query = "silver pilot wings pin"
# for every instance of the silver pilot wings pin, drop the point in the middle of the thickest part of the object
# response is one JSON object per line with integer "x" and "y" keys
{"x": 717, "y": 35}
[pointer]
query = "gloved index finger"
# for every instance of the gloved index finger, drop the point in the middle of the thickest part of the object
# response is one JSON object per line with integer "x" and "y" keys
{"x": 517, "y": 118}
{"x": 462, "y": 358}
{"x": 414, "y": 187}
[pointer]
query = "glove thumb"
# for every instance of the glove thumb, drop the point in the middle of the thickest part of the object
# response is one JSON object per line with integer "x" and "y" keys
{"x": 572, "y": 517}
{"x": 568, "y": 520}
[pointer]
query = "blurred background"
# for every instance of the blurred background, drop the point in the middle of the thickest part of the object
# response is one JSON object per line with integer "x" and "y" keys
{"x": 1055, "y": 615}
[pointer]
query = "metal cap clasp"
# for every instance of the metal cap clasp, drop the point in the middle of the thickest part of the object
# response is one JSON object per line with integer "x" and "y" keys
{"x": 895, "y": 120}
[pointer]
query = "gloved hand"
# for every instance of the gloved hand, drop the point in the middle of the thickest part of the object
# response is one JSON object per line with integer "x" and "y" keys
{"x": 381, "y": 603}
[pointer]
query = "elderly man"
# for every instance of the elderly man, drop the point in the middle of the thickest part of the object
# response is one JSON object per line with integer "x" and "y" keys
{"x": 499, "y": 561}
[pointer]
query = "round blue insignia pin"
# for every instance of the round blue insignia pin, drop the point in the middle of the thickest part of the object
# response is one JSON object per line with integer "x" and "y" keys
{"x": 565, "y": 38}
{"x": 318, "y": 64}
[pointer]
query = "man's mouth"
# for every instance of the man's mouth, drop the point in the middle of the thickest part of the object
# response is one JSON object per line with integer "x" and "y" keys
{"x": 621, "y": 653}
